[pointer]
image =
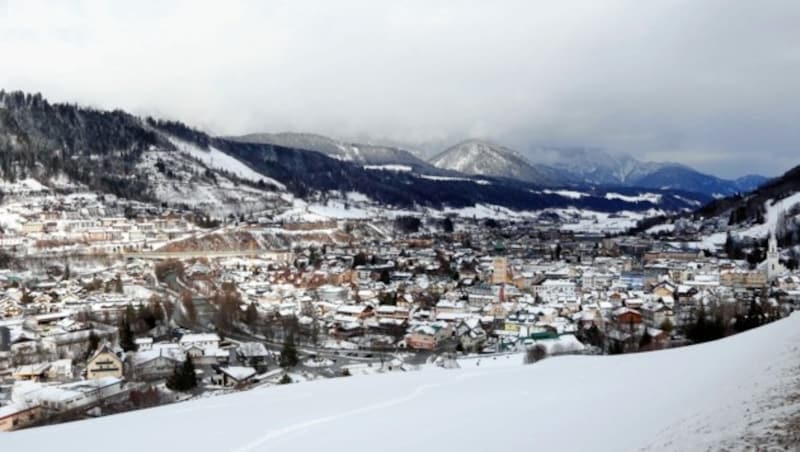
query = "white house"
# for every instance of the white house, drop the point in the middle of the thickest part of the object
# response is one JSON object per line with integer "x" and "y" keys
{"x": 201, "y": 340}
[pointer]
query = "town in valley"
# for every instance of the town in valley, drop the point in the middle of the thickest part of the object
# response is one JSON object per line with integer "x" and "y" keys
{"x": 110, "y": 305}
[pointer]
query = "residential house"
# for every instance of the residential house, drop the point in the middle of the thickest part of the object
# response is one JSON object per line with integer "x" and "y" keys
{"x": 254, "y": 354}
{"x": 104, "y": 363}
{"x": 427, "y": 336}
{"x": 234, "y": 376}
{"x": 15, "y": 417}
{"x": 155, "y": 364}
{"x": 201, "y": 340}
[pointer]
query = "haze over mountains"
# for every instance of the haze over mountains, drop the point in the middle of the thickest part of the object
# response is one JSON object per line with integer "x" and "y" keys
{"x": 584, "y": 166}
{"x": 541, "y": 166}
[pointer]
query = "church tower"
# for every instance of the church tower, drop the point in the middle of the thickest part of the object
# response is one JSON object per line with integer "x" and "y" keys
{"x": 773, "y": 258}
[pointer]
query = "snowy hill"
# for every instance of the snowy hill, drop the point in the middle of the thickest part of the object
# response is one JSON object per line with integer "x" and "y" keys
{"x": 486, "y": 159}
{"x": 737, "y": 393}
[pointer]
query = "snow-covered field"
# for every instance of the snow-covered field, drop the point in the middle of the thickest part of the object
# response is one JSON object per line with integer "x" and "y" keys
{"x": 641, "y": 197}
{"x": 481, "y": 211}
{"x": 725, "y": 395}
{"x": 390, "y": 167}
{"x": 455, "y": 179}
{"x": 572, "y": 194}
{"x": 601, "y": 222}
{"x": 23, "y": 186}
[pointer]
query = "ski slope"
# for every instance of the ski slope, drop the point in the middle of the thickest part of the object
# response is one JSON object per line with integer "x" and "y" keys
{"x": 214, "y": 158}
{"x": 722, "y": 395}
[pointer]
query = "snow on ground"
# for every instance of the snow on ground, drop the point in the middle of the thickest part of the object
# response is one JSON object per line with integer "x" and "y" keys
{"x": 601, "y": 222}
{"x": 311, "y": 363}
{"x": 454, "y": 179}
{"x": 572, "y": 194}
{"x": 581, "y": 220}
{"x": 357, "y": 197}
{"x": 713, "y": 241}
{"x": 300, "y": 214}
{"x": 642, "y": 197}
{"x": 489, "y": 211}
{"x": 691, "y": 202}
{"x": 22, "y": 186}
{"x": 473, "y": 362}
{"x": 10, "y": 220}
{"x": 390, "y": 167}
{"x": 666, "y": 227}
{"x": 214, "y": 158}
{"x": 220, "y": 198}
{"x": 729, "y": 394}
{"x": 338, "y": 209}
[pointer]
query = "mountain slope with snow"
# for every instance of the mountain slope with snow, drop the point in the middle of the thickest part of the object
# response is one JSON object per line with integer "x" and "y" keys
{"x": 486, "y": 159}
{"x": 367, "y": 154}
{"x": 582, "y": 167}
{"x": 733, "y": 394}
{"x": 594, "y": 166}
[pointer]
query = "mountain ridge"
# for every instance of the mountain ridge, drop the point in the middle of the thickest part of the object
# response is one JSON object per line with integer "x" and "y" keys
{"x": 586, "y": 167}
{"x": 137, "y": 158}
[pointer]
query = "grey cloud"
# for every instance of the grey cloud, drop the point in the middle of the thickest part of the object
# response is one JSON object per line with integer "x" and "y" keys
{"x": 711, "y": 83}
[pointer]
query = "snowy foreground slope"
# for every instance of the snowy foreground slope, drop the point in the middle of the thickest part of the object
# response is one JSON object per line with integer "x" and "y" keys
{"x": 729, "y": 394}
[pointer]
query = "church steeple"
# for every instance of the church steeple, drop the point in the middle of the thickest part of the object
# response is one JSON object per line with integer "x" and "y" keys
{"x": 773, "y": 257}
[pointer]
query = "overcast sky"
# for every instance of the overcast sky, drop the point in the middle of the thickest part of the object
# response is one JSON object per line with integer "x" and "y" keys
{"x": 714, "y": 84}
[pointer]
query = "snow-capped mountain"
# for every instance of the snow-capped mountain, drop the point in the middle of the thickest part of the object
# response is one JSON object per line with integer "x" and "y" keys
{"x": 366, "y": 154}
{"x": 594, "y": 166}
{"x": 579, "y": 166}
{"x": 487, "y": 159}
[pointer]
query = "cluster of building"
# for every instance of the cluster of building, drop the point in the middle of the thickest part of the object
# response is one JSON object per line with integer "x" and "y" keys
{"x": 470, "y": 290}
{"x": 46, "y": 224}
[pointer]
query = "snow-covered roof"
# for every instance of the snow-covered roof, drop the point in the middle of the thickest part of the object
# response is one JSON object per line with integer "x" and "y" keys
{"x": 238, "y": 373}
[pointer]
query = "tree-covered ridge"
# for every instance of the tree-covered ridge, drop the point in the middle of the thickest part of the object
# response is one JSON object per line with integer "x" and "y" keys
{"x": 93, "y": 147}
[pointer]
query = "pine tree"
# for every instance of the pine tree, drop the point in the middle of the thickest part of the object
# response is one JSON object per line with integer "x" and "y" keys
{"x": 251, "y": 315}
{"x": 126, "y": 337}
{"x": 184, "y": 377}
{"x": 645, "y": 340}
{"x": 94, "y": 343}
{"x": 288, "y": 356}
{"x": 118, "y": 284}
{"x": 729, "y": 246}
